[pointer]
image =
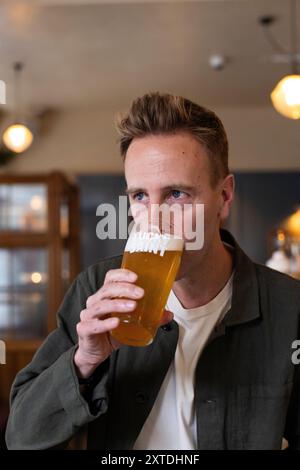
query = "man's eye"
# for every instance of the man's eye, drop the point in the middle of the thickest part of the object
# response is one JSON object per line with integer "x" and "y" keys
{"x": 176, "y": 194}
{"x": 138, "y": 196}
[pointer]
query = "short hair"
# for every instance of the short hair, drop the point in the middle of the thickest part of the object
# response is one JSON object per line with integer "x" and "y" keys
{"x": 159, "y": 114}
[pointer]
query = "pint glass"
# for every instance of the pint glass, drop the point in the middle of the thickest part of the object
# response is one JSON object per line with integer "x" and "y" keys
{"x": 155, "y": 258}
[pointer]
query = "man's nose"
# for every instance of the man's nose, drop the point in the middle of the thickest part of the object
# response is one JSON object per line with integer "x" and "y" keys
{"x": 156, "y": 200}
{"x": 156, "y": 214}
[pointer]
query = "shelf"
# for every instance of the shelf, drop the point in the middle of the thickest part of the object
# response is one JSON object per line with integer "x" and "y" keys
{"x": 13, "y": 239}
{"x": 23, "y": 345}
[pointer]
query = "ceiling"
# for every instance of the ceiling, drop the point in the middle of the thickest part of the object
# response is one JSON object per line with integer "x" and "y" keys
{"x": 104, "y": 53}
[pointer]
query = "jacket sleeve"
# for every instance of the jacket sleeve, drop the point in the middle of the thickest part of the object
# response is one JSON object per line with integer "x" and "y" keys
{"x": 47, "y": 408}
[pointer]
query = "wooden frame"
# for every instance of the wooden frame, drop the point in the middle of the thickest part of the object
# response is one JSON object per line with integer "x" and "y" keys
{"x": 59, "y": 189}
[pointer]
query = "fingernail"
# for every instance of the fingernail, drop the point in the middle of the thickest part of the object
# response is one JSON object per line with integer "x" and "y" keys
{"x": 132, "y": 276}
{"x": 138, "y": 292}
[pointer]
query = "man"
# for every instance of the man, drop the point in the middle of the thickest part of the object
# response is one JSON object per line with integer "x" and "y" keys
{"x": 219, "y": 375}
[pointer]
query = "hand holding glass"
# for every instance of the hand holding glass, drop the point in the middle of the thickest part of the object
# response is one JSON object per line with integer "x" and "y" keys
{"x": 155, "y": 258}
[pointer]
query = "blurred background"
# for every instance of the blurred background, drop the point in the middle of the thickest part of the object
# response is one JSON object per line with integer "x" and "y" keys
{"x": 66, "y": 68}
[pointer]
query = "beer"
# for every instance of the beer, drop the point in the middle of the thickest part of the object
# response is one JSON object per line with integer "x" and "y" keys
{"x": 155, "y": 258}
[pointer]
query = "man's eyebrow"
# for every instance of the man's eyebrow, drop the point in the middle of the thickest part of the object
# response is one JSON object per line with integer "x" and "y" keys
{"x": 181, "y": 187}
{"x": 134, "y": 190}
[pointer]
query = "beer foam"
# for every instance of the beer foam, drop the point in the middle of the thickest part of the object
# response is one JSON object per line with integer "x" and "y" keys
{"x": 152, "y": 242}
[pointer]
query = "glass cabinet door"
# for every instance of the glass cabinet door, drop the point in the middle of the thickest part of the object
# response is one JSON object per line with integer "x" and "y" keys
{"x": 23, "y": 207}
{"x": 23, "y": 292}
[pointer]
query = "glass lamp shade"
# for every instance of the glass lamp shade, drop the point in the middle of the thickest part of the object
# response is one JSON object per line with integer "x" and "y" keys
{"x": 286, "y": 97}
{"x": 292, "y": 224}
{"x": 17, "y": 138}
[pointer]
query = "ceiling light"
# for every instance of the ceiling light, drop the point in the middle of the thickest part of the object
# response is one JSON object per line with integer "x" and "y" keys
{"x": 17, "y": 137}
{"x": 286, "y": 95}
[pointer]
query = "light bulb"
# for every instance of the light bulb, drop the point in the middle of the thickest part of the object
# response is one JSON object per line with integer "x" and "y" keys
{"x": 36, "y": 277}
{"x": 286, "y": 96}
{"x": 17, "y": 138}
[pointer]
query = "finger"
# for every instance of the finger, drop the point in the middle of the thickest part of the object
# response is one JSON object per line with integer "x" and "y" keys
{"x": 166, "y": 317}
{"x": 122, "y": 289}
{"x": 113, "y": 290}
{"x": 107, "y": 307}
{"x": 94, "y": 327}
{"x": 121, "y": 274}
{"x": 114, "y": 275}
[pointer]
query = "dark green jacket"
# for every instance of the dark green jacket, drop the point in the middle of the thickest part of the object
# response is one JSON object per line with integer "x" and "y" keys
{"x": 247, "y": 390}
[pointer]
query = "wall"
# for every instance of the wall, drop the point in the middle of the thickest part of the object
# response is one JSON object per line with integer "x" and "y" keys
{"x": 95, "y": 190}
{"x": 262, "y": 202}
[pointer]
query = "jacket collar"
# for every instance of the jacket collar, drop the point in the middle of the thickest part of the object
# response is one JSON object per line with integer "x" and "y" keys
{"x": 245, "y": 305}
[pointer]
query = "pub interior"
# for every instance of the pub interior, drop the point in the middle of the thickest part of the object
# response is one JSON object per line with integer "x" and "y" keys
{"x": 66, "y": 69}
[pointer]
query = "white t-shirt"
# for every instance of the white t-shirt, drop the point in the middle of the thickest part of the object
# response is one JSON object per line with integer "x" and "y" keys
{"x": 171, "y": 423}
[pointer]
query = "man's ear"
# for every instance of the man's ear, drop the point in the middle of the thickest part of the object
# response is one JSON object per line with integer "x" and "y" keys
{"x": 227, "y": 193}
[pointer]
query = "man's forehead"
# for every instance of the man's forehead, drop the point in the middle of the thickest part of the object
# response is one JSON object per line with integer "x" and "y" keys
{"x": 162, "y": 164}
{"x": 177, "y": 174}
{"x": 174, "y": 161}
{"x": 181, "y": 143}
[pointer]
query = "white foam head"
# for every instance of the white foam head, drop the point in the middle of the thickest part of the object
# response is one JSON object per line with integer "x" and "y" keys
{"x": 153, "y": 242}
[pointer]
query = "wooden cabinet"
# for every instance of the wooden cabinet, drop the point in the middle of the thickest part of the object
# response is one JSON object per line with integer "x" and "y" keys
{"x": 39, "y": 257}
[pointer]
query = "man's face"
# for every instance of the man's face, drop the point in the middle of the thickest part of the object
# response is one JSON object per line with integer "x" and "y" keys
{"x": 175, "y": 169}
